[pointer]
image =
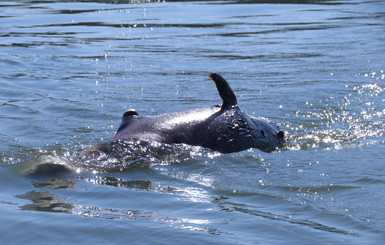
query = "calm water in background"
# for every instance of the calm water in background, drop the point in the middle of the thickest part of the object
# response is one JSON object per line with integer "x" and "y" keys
{"x": 70, "y": 69}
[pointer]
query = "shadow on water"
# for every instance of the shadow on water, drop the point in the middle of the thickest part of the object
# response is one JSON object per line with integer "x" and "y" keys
{"x": 50, "y": 201}
{"x": 47, "y": 201}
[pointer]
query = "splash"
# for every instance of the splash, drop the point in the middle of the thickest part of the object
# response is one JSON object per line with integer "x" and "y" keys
{"x": 353, "y": 120}
{"x": 126, "y": 156}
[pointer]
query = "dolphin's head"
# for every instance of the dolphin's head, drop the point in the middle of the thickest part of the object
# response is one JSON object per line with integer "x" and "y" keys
{"x": 267, "y": 136}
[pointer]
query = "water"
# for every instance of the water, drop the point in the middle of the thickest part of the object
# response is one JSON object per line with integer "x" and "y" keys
{"x": 70, "y": 69}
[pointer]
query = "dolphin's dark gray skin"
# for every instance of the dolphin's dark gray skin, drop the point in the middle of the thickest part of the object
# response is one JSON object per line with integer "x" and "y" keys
{"x": 223, "y": 128}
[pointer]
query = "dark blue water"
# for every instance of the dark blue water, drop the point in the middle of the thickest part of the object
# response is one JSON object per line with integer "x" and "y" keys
{"x": 70, "y": 69}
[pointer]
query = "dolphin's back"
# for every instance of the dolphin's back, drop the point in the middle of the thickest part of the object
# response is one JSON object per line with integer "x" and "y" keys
{"x": 222, "y": 128}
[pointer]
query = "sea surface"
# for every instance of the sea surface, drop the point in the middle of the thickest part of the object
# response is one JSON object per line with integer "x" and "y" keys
{"x": 69, "y": 70}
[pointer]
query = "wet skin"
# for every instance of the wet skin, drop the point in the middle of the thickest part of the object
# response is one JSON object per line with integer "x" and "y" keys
{"x": 224, "y": 128}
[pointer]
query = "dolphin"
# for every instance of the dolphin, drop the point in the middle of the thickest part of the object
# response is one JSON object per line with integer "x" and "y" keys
{"x": 224, "y": 128}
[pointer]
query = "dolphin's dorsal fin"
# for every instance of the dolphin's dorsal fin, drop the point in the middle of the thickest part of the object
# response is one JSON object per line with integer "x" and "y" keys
{"x": 226, "y": 93}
